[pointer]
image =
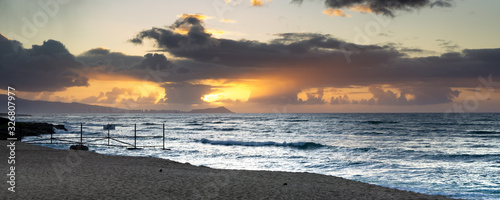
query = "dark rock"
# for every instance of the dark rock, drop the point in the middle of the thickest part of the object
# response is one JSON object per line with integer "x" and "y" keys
{"x": 79, "y": 147}
{"x": 27, "y": 129}
{"x": 4, "y": 120}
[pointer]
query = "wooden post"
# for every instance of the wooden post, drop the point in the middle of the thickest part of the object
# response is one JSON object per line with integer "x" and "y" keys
{"x": 135, "y": 135}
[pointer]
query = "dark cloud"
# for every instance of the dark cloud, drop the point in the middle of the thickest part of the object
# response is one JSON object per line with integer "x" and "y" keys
{"x": 97, "y": 52}
{"x": 196, "y": 37}
{"x": 385, "y": 7}
{"x": 110, "y": 97}
{"x": 152, "y": 67}
{"x": 410, "y": 95}
{"x": 120, "y": 96}
{"x": 186, "y": 93}
{"x": 414, "y": 95}
{"x": 428, "y": 94}
{"x": 290, "y": 49}
{"x": 314, "y": 60}
{"x": 340, "y": 100}
{"x": 107, "y": 60}
{"x": 442, "y": 3}
{"x": 46, "y": 67}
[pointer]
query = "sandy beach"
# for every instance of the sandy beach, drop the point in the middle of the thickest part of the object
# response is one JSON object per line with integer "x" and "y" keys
{"x": 45, "y": 173}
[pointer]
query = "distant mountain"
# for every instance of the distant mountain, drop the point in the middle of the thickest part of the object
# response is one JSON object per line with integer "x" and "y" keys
{"x": 211, "y": 110}
{"x": 24, "y": 106}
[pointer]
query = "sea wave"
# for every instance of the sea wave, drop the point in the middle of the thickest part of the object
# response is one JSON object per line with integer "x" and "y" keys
{"x": 149, "y": 124}
{"x": 463, "y": 157}
{"x": 299, "y": 145}
{"x": 378, "y": 122}
{"x": 483, "y": 132}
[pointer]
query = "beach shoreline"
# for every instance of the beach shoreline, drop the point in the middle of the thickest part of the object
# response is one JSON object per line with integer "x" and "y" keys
{"x": 46, "y": 173}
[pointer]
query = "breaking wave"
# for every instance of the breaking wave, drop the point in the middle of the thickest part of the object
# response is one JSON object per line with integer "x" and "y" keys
{"x": 299, "y": 145}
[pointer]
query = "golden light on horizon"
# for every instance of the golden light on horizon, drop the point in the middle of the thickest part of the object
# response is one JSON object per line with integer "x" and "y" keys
{"x": 239, "y": 92}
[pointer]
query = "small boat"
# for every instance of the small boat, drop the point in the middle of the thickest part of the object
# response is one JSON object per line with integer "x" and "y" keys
{"x": 109, "y": 127}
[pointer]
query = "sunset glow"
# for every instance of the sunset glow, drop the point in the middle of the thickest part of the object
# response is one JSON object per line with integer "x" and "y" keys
{"x": 332, "y": 56}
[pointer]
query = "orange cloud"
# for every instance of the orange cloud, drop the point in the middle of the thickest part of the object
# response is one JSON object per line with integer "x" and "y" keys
{"x": 197, "y": 16}
{"x": 228, "y": 21}
{"x": 335, "y": 12}
{"x": 361, "y": 8}
{"x": 259, "y": 2}
{"x": 216, "y": 31}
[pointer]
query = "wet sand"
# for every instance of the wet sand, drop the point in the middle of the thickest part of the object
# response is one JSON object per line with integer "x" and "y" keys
{"x": 45, "y": 173}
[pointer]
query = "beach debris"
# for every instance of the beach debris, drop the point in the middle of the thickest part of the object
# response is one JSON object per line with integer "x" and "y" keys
{"x": 79, "y": 147}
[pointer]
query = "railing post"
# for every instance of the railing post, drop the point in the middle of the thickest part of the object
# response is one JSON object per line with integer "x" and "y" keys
{"x": 163, "y": 136}
{"x": 108, "y": 134}
{"x": 51, "y": 130}
{"x": 81, "y": 133}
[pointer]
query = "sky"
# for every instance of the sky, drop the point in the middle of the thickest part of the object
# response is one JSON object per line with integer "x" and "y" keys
{"x": 280, "y": 56}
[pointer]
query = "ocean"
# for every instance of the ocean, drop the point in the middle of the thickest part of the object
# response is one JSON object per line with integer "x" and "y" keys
{"x": 455, "y": 155}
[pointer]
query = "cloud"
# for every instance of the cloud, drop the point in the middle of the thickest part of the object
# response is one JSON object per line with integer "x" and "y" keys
{"x": 277, "y": 97}
{"x": 315, "y": 60}
{"x": 92, "y": 99}
{"x": 364, "y": 8}
{"x": 150, "y": 99}
{"x": 111, "y": 61}
{"x": 442, "y": 3}
{"x": 46, "y": 67}
{"x": 383, "y": 7}
{"x": 195, "y": 37}
{"x": 301, "y": 60}
{"x": 118, "y": 96}
{"x": 259, "y": 2}
{"x": 407, "y": 96}
{"x": 335, "y": 12}
{"x": 314, "y": 98}
{"x": 152, "y": 67}
{"x": 340, "y": 100}
{"x": 449, "y": 46}
{"x": 228, "y": 21}
{"x": 186, "y": 93}
{"x": 429, "y": 94}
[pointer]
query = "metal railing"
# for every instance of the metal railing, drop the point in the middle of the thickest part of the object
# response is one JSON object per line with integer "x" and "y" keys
{"x": 93, "y": 140}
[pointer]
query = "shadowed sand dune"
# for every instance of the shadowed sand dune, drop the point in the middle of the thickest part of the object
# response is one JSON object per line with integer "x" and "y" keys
{"x": 45, "y": 173}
